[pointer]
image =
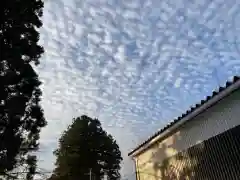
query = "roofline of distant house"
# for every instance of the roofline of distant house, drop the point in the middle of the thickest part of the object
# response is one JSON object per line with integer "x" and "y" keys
{"x": 194, "y": 111}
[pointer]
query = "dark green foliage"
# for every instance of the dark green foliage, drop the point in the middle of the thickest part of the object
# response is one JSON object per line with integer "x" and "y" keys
{"x": 21, "y": 116}
{"x": 84, "y": 146}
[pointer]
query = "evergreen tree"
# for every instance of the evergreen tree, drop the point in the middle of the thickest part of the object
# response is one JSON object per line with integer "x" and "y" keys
{"x": 85, "y": 150}
{"x": 21, "y": 116}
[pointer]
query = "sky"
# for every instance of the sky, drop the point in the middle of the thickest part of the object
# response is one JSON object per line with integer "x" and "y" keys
{"x": 133, "y": 64}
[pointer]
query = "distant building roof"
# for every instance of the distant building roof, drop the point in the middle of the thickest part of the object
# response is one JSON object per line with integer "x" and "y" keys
{"x": 221, "y": 92}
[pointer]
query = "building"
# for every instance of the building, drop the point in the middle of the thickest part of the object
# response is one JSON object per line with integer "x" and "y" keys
{"x": 202, "y": 144}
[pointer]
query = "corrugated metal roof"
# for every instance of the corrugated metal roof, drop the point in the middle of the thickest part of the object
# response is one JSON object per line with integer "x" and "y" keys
{"x": 193, "y": 108}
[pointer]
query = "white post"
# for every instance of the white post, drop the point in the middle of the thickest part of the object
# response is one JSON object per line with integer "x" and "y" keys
{"x": 105, "y": 176}
{"x": 90, "y": 174}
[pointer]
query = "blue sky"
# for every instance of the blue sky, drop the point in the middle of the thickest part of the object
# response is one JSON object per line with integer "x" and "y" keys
{"x": 134, "y": 64}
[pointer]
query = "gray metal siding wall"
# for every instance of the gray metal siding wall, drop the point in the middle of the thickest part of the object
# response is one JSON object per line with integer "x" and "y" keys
{"x": 220, "y": 117}
{"x": 217, "y": 119}
{"x": 217, "y": 158}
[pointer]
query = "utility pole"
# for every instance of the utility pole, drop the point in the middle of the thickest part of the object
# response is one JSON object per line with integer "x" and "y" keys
{"x": 90, "y": 174}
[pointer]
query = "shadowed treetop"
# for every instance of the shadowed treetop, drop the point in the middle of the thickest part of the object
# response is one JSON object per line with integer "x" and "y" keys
{"x": 86, "y": 147}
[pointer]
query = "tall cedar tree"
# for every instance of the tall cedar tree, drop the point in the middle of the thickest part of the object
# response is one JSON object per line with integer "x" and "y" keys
{"x": 21, "y": 116}
{"x": 86, "y": 147}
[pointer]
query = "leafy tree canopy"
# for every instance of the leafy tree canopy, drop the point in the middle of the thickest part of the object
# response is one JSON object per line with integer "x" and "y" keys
{"x": 84, "y": 149}
{"x": 21, "y": 116}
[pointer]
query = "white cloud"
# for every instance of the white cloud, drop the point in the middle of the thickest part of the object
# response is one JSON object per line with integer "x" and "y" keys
{"x": 132, "y": 63}
{"x": 178, "y": 82}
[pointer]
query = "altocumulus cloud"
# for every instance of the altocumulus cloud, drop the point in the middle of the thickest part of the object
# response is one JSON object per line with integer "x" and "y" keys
{"x": 134, "y": 64}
